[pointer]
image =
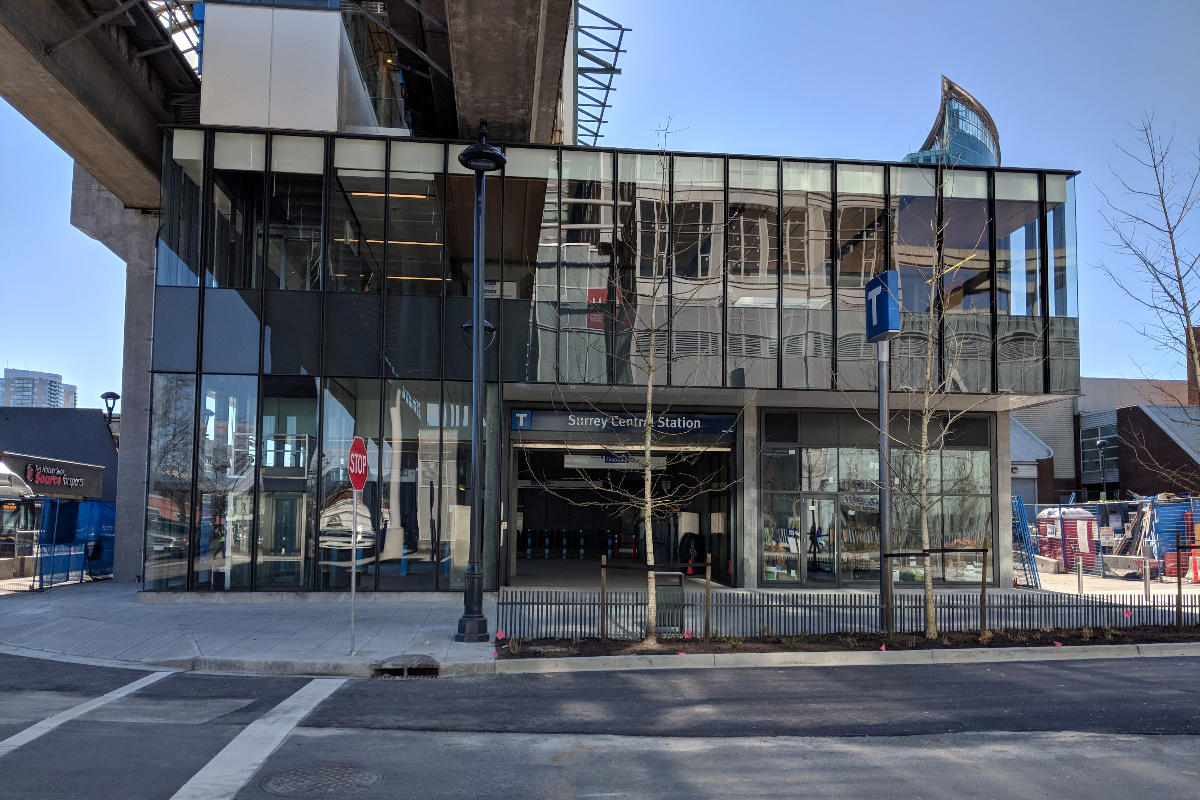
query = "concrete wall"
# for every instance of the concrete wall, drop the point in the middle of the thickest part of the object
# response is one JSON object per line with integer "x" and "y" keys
{"x": 1003, "y": 528}
{"x": 746, "y": 465}
{"x": 131, "y": 235}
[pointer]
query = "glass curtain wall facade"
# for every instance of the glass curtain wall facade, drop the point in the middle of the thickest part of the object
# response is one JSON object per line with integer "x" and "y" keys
{"x": 314, "y": 288}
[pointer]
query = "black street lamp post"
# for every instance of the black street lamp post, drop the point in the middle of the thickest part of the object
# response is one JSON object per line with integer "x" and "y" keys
{"x": 473, "y": 626}
{"x": 110, "y": 402}
{"x": 1100, "y": 445}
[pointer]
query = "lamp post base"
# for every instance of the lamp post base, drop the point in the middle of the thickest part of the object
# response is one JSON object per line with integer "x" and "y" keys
{"x": 472, "y": 629}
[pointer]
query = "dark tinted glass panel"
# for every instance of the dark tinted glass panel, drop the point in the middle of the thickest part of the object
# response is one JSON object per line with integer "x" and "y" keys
{"x": 169, "y": 476}
{"x": 1019, "y": 284}
{"x": 292, "y": 339}
{"x": 586, "y": 296}
{"x": 819, "y": 429}
{"x": 967, "y": 283}
{"x": 807, "y": 278}
{"x": 460, "y": 227}
{"x": 527, "y": 332}
{"x": 356, "y": 225}
{"x": 287, "y": 484}
{"x": 352, "y": 337}
{"x": 641, "y": 274}
{"x": 1064, "y": 286}
{"x": 231, "y": 330}
{"x": 294, "y": 240}
{"x": 455, "y": 526}
{"x": 408, "y": 552}
{"x": 781, "y": 468}
{"x": 225, "y": 482}
{"x": 752, "y": 316}
{"x": 237, "y": 198}
{"x": 781, "y": 427}
{"x": 914, "y": 214}
{"x": 413, "y": 345}
{"x": 697, "y": 271}
{"x": 175, "y": 311}
{"x": 415, "y": 219}
{"x": 861, "y": 234}
{"x": 351, "y": 409}
{"x": 457, "y": 342}
{"x": 178, "y": 251}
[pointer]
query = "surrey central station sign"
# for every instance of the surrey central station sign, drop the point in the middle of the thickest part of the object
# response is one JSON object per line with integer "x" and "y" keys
{"x": 609, "y": 422}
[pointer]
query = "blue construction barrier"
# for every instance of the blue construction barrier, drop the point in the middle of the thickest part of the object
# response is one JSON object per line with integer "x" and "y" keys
{"x": 76, "y": 538}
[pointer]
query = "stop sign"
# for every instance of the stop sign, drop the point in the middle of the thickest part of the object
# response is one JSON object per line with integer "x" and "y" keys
{"x": 358, "y": 464}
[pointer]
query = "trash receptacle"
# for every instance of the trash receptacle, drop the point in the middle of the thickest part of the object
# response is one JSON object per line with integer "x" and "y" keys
{"x": 669, "y": 596}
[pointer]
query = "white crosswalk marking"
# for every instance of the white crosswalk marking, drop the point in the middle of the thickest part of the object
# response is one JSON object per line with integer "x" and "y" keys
{"x": 50, "y": 723}
{"x": 230, "y": 769}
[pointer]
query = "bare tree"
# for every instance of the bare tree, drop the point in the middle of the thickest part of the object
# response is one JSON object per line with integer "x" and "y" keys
{"x": 1153, "y": 235}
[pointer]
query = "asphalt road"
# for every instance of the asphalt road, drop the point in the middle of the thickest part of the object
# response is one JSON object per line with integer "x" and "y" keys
{"x": 1086, "y": 729}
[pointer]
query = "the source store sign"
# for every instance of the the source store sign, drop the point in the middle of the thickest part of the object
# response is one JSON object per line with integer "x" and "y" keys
{"x": 606, "y": 423}
{"x": 52, "y": 478}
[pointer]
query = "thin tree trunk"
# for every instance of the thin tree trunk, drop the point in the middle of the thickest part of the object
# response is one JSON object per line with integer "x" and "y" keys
{"x": 648, "y": 485}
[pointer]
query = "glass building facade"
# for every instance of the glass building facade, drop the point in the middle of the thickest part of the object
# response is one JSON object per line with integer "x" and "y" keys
{"x": 963, "y": 134}
{"x": 313, "y": 288}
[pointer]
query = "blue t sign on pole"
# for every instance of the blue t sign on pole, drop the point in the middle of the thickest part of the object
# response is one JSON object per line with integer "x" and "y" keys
{"x": 883, "y": 306}
{"x": 883, "y": 324}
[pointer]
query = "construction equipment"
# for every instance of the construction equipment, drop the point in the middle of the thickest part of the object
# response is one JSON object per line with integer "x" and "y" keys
{"x": 1023, "y": 544}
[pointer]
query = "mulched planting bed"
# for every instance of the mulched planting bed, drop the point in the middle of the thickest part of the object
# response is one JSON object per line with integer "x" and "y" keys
{"x": 1046, "y": 637}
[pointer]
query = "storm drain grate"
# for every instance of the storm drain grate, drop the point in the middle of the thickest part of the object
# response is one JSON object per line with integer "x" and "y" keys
{"x": 406, "y": 669}
{"x": 321, "y": 780}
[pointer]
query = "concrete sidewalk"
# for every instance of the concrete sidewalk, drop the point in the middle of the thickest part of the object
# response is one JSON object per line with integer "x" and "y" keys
{"x": 104, "y": 622}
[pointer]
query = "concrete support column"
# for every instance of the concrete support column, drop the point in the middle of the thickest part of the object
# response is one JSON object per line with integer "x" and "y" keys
{"x": 746, "y": 463}
{"x": 1003, "y": 552}
{"x": 131, "y": 235}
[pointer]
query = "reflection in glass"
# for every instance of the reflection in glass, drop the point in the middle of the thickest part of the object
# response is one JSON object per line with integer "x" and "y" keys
{"x": 412, "y": 330}
{"x": 966, "y": 283}
{"x": 587, "y": 313}
{"x": 780, "y": 468}
{"x": 169, "y": 486}
{"x": 807, "y": 278}
{"x": 231, "y": 330}
{"x": 914, "y": 210}
{"x": 1019, "y": 284}
{"x": 415, "y": 219}
{"x": 819, "y": 469}
{"x": 858, "y": 545}
{"x": 460, "y": 228}
{"x": 351, "y": 409}
{"x": 225, "y": 482}
{"x": 530, "y": 288}
{"x": 455, "y": 520}
{"x": 641, "y": 325}
{"x": 1064, "y": 284}
{"x": 294, "y": 237}
{"x": 287, "y": 475}
{"x": 175, "y": 312}
{"x": 861, "y": 228}
{"x": 237, "y": 200}
{"x": 408, "y": 555}
{"x": 356, "y": 234}
{"x": 752, "y": 349}
{"x": 178, "y": 251}
{"x": 697, "y": 263}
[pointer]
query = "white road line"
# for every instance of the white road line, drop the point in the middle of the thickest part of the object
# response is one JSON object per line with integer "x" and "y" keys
{"x": 50, "y": 723}
{"x": 236, "y": 764}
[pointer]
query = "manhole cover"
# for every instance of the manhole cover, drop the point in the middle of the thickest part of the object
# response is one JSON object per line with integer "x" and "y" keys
{"x": 321, "y": 780}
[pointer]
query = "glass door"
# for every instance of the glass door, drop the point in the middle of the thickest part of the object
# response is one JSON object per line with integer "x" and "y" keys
{"x": 817, "y": 524}
{"x": 858, "y": 546}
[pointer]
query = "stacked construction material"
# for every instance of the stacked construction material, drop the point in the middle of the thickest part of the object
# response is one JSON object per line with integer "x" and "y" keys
{"x": 1066, "y": 534}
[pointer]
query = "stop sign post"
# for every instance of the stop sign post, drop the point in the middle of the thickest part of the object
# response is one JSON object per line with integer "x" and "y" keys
{"x": 358, "y": 466}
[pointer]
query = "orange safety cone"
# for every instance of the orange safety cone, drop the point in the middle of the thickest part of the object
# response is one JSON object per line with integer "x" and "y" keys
{"x": 689, "y": 572}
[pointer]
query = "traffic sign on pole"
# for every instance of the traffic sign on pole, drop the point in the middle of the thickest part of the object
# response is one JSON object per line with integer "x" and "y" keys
{"x": 357, "y": 463}
{"x": 883, "y": 306}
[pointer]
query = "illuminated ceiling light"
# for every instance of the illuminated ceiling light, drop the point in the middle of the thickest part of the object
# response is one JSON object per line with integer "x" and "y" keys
{"x": 390, "y": 241}
{"x": 383, "y": 194}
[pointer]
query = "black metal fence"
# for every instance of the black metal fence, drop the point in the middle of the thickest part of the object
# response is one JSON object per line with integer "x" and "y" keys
{"x": 552, "y": 613}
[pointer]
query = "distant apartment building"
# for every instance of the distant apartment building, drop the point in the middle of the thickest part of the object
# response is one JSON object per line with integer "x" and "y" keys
{"x": 28, "y": 389}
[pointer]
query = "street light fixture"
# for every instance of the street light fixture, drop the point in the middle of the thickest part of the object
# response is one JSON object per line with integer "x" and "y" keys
{"x": 472, "y": 626}
{"x": 1100, "y": 445}
{"x": 110, "y": 402}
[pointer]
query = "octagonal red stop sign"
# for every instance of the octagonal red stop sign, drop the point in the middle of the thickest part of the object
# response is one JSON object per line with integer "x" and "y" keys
{"x": 358, "y": 464}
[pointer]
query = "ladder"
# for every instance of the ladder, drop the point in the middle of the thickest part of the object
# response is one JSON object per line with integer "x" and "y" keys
{"x": 1023, "y": 544}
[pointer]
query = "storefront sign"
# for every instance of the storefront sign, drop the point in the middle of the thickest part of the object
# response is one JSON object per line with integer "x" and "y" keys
{"x": 613, "y": 423}
{"x": 51, "y": 478}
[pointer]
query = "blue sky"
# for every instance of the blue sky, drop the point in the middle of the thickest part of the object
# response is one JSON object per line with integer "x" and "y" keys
{"x": 1062, "y": 80}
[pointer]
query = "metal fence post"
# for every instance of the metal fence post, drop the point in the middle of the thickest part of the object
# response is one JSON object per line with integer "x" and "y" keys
{"x": 603, "y": 596}
{"x": 1178, "y": 582}
{"x": 1079, "y": 572}
{"x": 707, "y": 596}
{"x": 983, "y": 595}
{"x": 1146, "y": 576}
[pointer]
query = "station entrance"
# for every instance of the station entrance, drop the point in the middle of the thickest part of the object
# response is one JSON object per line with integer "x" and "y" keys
{"x": 577, "y": 497}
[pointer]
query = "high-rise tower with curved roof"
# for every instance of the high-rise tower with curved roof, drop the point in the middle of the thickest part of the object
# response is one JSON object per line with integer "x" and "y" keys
{"x": 963, "y": 133}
